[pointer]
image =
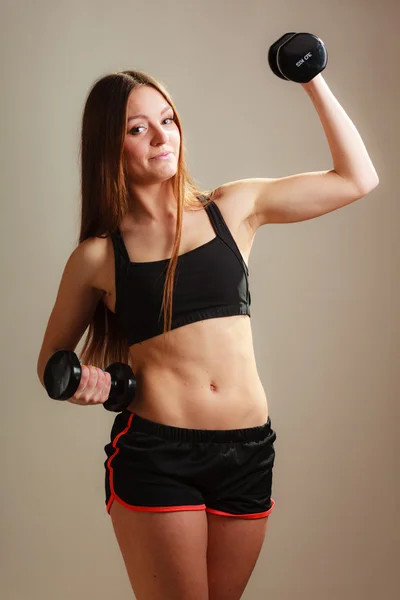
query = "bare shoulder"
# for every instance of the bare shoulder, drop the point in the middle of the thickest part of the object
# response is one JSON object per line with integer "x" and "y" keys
{"x": 93, "y": 251}
{"x": 95, "y": 255}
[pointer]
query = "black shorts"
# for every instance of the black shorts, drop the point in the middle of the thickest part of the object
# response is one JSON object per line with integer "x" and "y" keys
{"x": 153, "y": 467}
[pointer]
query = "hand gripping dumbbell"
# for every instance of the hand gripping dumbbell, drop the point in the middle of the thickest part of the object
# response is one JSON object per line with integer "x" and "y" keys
{"x": 298, "y": 57}
{"x": 63, "y": 372}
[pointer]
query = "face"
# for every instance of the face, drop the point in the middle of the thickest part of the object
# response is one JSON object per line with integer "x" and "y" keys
{"x": 150, "y": 131}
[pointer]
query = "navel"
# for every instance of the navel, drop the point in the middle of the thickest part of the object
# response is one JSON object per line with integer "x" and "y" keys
{"x": 213, "y": 387}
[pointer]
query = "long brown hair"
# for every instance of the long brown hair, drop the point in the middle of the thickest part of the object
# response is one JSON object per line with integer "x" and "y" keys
{"x": 105, "y": 200}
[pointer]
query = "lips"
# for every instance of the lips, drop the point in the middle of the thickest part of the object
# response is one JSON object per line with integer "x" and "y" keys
{"x": 162, "y": 155}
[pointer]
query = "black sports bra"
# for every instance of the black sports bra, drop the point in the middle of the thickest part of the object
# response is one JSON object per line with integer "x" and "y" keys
{"x": 210, "y": 281}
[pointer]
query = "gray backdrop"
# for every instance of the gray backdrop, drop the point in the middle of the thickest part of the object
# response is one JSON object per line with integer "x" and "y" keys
{"x": 325, "y": 292}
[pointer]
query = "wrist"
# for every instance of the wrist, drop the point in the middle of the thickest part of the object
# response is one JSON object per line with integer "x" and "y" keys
{"x": 317, "y": 83}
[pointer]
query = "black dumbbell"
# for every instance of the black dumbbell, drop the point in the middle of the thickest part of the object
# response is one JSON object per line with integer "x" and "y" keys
{"x": 63, "y": 372}
{"x": 298, "y": 57}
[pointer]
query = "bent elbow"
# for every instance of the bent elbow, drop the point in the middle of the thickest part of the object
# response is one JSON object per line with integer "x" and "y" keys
{"x": 369, "y": 185}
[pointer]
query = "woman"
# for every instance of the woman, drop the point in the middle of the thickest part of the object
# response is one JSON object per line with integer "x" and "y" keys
{"x": 160, "y": 277}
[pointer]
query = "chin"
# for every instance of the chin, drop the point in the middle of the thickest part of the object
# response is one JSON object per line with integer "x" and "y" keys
{"x": 166, "y": 174}
{"x": 163, "y": 178}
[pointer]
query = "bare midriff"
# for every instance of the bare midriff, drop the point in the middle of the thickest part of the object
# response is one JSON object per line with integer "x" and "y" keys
{"x": 200, "y": 376}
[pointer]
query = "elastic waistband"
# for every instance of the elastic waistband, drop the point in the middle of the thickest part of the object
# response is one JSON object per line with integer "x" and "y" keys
{"x": 168, "y": 432}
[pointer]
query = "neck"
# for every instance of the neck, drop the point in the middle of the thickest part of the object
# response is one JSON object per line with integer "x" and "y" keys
{"x": 152, "y": 204}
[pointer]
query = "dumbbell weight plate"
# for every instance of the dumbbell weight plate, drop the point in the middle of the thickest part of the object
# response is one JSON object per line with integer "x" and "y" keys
{"x": 272, "y": 54}
{"x": 62, "y": 375}
{"x": 123, "y": 387}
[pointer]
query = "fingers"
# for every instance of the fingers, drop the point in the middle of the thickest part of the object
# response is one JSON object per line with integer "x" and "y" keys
{"x": 94, "y": 386}
{"x": 102, "y": 390}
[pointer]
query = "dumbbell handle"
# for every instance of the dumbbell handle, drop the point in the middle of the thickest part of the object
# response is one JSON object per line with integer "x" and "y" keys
{"x": 63, "y": 372}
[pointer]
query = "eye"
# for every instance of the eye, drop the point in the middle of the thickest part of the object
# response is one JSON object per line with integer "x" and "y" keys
{"x": 172, "y": 119}
{"x": 135, "y": 130}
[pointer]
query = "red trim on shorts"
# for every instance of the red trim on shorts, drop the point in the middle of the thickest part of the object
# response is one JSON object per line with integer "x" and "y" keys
{"x": 110, "y": 469}
{"x": 158, "y": 509}
{"x": 114, "y": 496}
{"x": 251, "y": 516}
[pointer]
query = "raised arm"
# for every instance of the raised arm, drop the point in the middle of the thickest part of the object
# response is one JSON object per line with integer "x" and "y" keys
{"x": 308, "y": 195}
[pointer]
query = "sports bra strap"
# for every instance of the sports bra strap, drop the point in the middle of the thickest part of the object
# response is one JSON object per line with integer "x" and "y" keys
{"x": 119, "y": 246}
{"x": 223, "y": 231}
{"x": 121, "y": 262}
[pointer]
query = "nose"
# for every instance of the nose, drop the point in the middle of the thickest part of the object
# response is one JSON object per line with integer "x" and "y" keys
{"x": 160, "y": 137}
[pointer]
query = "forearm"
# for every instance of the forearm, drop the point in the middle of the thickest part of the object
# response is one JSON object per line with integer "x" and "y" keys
{"x": 349, "y": 154}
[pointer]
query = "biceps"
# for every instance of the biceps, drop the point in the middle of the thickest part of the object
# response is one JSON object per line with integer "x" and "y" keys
{"x": 302, "y": 197}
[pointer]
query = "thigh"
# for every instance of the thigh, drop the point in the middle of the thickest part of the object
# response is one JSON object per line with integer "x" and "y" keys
{"x": 165, "y": 554}
{"x": 234, "y": 546}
